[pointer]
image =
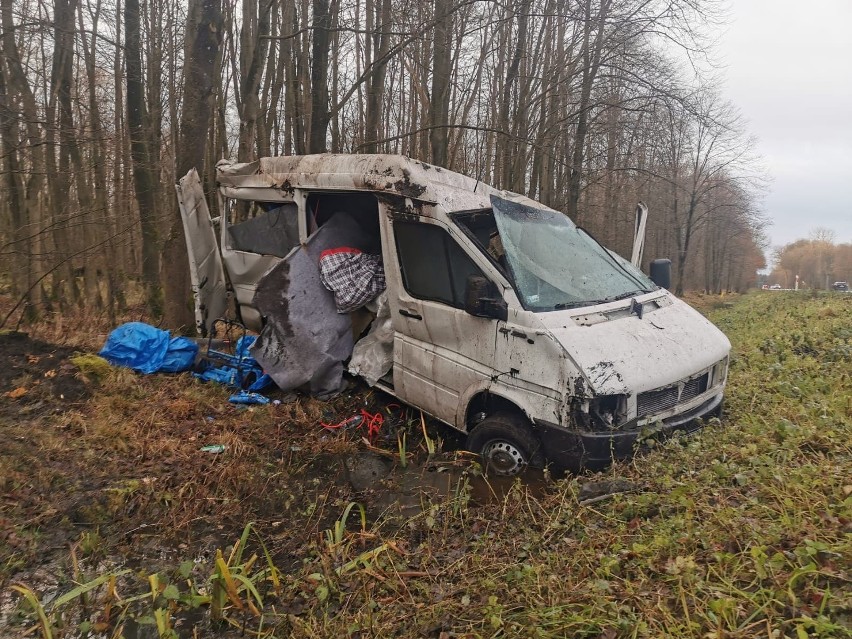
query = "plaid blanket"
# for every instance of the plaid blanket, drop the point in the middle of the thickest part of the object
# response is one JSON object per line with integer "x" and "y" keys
{"x": 354, "y": 277}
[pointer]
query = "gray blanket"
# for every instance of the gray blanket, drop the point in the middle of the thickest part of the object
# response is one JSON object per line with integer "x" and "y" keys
{"x": 305, "y": 340}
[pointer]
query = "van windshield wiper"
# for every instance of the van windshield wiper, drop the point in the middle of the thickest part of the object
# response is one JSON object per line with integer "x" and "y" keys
{"x": 624, "y": 296}
{"x": 563, "y": 305}
{"x": 613, "y": 298}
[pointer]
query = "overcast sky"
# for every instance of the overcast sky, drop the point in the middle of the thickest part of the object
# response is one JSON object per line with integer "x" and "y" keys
{"x": 788, "y": 66}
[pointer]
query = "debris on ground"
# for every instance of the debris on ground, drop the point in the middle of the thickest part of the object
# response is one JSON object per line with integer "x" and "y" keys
{"x": 213, "y": 448}
{"x": 246, "y": 397}
{"x": 237, "y": 369}
{"x": 371, "y": 423}
{"x": 595, "y": 491}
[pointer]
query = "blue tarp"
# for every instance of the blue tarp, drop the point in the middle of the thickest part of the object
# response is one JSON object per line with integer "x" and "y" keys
{"x": 147, "y": 349}
{"x": 239, "y": 370}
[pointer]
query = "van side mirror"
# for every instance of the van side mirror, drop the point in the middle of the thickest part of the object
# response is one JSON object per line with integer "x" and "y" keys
{"x": 661, "y": 273}
{"x": 482, "y": 299}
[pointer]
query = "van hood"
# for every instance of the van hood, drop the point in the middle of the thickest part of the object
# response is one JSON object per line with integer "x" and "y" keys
{"x": 618, "y": 352}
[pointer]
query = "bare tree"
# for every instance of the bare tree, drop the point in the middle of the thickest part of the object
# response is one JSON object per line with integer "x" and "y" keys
{"x": 320, "y": 114}
{"x": 26, "y": 198}
{"x": 203, "y": 42}
{"x": 716, "y": 151}
{"x": 254, "y": 44}
{"x": 144, "y": 171}
{"x": 439, "y": 100}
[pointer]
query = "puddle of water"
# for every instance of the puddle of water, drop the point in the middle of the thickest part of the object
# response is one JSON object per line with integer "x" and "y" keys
{"x": 390, "y": 489}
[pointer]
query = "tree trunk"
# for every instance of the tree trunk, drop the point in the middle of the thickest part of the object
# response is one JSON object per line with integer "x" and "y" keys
{"x": 684, "y": 239}
{"x": 203, "y": 43}
{"x": 144, "y": 177}
{"x": 439, "y": 103}
{"x": 593, "y": 37}
{"x": 95, "y": 262}
{"x": 320, "y": 115}
{"x": 31, "y": 201}
{"x": 510, "y": 147}
{"x": 253, "y": 47}
{"x": 376, "y": 82}
{"x": 57, "y": 115}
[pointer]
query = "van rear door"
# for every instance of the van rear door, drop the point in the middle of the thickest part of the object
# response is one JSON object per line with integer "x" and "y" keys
{"x": 205, "y": 262}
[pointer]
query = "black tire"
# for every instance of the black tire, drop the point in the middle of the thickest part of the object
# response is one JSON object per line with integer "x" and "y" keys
{"x": 506, "y": 444}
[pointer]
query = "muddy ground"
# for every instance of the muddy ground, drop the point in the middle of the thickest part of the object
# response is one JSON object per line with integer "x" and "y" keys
{"x": 39, "y": 375}
{"x": 112, "y": 460}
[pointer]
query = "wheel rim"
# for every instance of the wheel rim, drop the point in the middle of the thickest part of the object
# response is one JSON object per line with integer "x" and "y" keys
{"x": 504, "y": 458}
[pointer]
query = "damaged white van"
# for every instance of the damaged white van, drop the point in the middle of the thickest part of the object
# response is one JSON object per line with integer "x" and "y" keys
{"x": 485, "y": 309}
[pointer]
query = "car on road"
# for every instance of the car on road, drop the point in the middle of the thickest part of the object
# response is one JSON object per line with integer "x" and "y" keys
{"x": 840, "y": 286}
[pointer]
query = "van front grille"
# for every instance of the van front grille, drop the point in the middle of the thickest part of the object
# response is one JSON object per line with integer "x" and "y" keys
{"x": 657, "y": 401}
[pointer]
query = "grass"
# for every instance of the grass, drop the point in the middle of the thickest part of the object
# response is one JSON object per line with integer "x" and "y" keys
{"x": 744, "y": 530}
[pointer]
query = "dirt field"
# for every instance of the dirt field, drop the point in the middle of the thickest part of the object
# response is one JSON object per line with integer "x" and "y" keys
{"x": 127, "y": 462}
{"x": 108, "y": 463}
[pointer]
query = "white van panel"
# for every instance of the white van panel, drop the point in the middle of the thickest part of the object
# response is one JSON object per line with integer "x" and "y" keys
{"x": 206, "y": 273}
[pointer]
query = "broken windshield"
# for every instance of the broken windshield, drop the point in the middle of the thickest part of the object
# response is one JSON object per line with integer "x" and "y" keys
{"x": 556, "y": 265}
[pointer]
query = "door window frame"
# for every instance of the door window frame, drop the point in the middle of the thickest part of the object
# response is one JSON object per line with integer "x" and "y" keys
{"x": 447, "y": 237}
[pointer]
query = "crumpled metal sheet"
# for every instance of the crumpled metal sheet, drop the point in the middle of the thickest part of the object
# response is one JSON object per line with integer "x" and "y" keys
{"x": 305, "y": 340}
{"x": 372, "y": 356}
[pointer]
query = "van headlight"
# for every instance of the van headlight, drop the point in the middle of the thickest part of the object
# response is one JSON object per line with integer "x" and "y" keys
{"x": 607, "y": 411}
{"x": 719, "y": 372}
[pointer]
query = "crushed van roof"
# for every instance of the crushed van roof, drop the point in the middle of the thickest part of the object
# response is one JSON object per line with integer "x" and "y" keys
{"x": 276, "y": 177}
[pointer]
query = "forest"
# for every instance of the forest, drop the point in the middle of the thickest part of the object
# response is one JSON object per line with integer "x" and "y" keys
{"x": 584, "y": 105}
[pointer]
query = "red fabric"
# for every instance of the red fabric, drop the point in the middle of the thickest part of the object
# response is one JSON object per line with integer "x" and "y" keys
{"x": 339, "y": 249}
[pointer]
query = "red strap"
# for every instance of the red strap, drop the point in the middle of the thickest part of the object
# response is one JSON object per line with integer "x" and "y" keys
{"x": 372, "y": 422}
{"x": 340, "y": 249}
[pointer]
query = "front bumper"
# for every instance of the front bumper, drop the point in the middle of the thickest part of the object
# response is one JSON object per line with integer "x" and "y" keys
{"x": 574, "y": 450}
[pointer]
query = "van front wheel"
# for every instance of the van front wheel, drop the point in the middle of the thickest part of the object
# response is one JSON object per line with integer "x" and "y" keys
{"x": 506, "y": 444}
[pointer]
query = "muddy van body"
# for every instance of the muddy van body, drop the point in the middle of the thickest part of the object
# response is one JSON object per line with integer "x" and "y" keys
{"x": 505, "y": 320}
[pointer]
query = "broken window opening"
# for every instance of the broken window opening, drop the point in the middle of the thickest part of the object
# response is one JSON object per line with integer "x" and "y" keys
{"x": 312, "y": 327}
{"x": 269, "y": 228}
{"x": 481, "y": 227}
{"x": 362, "y": 207}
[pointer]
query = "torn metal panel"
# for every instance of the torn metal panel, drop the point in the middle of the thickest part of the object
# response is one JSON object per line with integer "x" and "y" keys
{"x": 372, "y": 357}
{"x": 206, "y": 273}
{"x": 305, "y": 340}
